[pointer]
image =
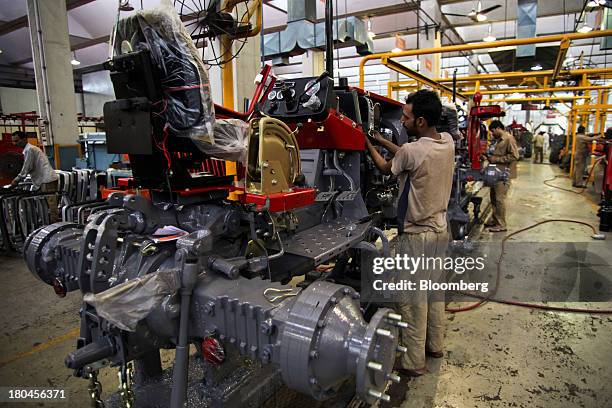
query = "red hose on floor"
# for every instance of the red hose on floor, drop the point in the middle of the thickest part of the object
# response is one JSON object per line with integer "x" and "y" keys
{"x": 489, "y": 298}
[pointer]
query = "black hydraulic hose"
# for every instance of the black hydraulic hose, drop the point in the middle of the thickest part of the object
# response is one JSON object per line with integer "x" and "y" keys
{"x": 329, "y": 38}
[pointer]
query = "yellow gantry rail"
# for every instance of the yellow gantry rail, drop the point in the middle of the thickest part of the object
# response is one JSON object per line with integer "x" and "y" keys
{"x": 506, "y": 76}
{"x": 479, "y": 46}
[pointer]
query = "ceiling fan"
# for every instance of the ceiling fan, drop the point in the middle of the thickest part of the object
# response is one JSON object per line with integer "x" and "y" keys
{"x": 477, "y": 14}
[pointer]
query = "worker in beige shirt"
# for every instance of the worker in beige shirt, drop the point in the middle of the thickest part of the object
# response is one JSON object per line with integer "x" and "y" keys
{"x": 425, "y": 172}
{"x": 538, "y": 148}
{"x": 36, "y": 164}
{"x": 583, "y": 149}
{"x": 505, "y": 155}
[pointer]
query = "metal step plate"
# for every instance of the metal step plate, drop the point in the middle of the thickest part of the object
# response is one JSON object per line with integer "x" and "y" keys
{"x": 347, "y": 195}
{"x": 325, "y": 195}
{"x": 325, "y": 241}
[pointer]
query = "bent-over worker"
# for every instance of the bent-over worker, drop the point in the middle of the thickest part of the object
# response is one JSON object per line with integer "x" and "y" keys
{"x": 36, "y": 164}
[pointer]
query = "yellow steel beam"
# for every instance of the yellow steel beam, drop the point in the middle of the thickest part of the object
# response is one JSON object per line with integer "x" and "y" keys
{"x": 515, "y": 75}
{"x": 604, "y": 114}
{"x": 480, "y": 46}
{"x": 504, "y": 91}
{"x": 598, "y": 114}
{"x": 563, "y": 47}
{"x": 227, "y": 73}
{"x": 227, "y": 69}
{"x": 593, "y": 107}
{"x": 533, "y": 99}
{"x": 573, "y": 151}
{"x": 584, "y": 120}
{"x": 570, "y": 123}
{"x": 420, "y": 78}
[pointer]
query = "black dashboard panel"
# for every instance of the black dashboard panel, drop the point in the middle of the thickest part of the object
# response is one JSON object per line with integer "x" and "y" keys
{"x": 300, "y": 99}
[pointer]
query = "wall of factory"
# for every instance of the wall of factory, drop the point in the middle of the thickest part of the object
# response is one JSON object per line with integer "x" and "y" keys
{"x": 13, "y": 100}
{"x": 537, "y": 118}
{"x": 97, "y": 90}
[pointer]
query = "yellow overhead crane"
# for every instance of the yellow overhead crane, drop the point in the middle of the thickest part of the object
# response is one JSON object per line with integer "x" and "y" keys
{"x": 388, "y": 56}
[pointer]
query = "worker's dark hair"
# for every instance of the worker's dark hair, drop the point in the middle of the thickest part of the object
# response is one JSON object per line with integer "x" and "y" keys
{"x": 426, "y": 104}
{"x": 541, "y": 132}
{"x": 20, "y": 134}
{"x": 581, "y": 129}
{"x": 496, "y": 124}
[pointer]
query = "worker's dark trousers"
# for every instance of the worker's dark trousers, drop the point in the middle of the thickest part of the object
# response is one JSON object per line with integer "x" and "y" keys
{"x": 498, "y": 195}
{"x": 539, "y": 155}
{"x": 51, "y": 200}
{"x": 579, "y": 165}
{"x": 423, "y": 310}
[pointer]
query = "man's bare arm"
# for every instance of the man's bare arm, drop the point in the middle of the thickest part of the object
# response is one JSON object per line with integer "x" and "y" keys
{"x": 383, "y": 165}
{"x": 387, "y": 144}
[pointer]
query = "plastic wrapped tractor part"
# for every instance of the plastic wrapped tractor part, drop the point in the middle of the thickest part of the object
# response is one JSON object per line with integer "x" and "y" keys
{"x": 188, "y": 107}
{"x": 231, "y": 140}
{"x": 449, "y": 122}
{"x": 128, "y": 303}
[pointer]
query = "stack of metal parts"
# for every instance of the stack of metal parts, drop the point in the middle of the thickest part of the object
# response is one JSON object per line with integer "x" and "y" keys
{"x": 77, "y": 186}
{"x": 80, "y": 195}
{"x": 23, "y": 211}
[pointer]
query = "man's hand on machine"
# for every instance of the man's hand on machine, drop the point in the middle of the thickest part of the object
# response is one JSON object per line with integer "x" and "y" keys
{"x": 12, "y": 185}
{"x": 375, "y": 137}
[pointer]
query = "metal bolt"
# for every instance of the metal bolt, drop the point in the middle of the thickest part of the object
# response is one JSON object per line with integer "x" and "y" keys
{"x": 373, "y": 365}
{"x": 379, "y": 395}
{"x": 346, "y": 291}
{"x": 334, "y": 300}
{"x": 356, "y": 296}
{"x": 384, "y": 333}
{"x": 312, "y": 381}
{"x": 314, "y": 354}
{"x": 274, "y": 182}
{"x": 320, "y": 324}
{"x": 394, "y": 377}
{"x": 402, "y": 349}
{"x": 265, "y": 356}
{"x": 394, "y": 316}
{"x": 265, "y": 164}
{"x": 401, "y": 324}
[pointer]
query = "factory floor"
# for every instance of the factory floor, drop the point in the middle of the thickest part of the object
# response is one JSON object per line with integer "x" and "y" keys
{"x": 507, "y": 356}
{"x": 496, "y": 355}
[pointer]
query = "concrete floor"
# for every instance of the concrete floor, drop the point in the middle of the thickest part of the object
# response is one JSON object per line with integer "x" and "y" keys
{"x": 506, "y": 356}
{"x": 497, "y": 355}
